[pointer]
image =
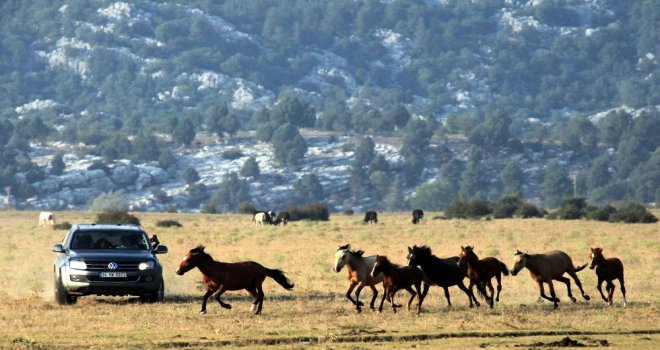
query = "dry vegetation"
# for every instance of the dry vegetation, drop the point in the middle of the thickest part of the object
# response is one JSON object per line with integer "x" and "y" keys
{"x": 316, "y": 314}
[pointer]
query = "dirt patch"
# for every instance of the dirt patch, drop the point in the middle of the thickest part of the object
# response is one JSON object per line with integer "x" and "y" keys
{"x": 567, "y": 342}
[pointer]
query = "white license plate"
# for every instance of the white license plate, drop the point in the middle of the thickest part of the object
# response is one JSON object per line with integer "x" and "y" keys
{"x": 113, "y": 274}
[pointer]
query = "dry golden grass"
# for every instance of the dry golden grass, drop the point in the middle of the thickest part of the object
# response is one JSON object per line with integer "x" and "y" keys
{"x": 316, "y": 314}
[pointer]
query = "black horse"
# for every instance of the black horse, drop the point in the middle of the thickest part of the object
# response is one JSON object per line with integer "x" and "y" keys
{"x": 442, "y": 272}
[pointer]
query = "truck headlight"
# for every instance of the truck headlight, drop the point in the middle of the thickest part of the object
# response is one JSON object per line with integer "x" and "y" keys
{"x": 78, "y": 265}
{"x": 147, "y": 265}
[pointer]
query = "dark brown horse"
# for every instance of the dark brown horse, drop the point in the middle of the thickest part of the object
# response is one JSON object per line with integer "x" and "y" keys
{"x": 607, "y": 270}
{"x": 481, "y": 272}
{"x": 220, "y": 277}
{"x": 395, "y": 278}
{"x": 543, "y": 268}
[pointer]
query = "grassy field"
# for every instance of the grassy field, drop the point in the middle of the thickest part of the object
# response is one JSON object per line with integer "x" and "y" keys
{"x": 316, "y": 314}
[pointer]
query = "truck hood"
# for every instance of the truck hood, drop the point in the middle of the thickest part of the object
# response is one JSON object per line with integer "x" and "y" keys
{"x": 96, "y": 254}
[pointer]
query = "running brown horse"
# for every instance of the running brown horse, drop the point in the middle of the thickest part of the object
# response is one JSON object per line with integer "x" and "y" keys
{"x": 220, "y": 277}
{"x": 481, "y": 272}
{"x": 396, "y": 278}
{"x": 607, "y": 270}
{"x": 543, "y": 268}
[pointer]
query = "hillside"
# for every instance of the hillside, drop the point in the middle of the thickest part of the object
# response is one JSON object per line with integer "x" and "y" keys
{"x": 463, "y": 88}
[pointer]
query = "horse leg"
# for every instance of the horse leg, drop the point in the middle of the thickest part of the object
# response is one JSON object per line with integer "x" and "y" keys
{"x": 599, "y": 285}
{"x": 623, "y": 290}
{"x": 552, "y": 294}
{"x": 542, "y": 290}
{"x": 208, "y": 293}
{"x": 610, "y": 290}
{"x": 217, "y": 298}
{"x": 348, "y": 294}
{"x": 392, "y": 293}
{"x": 577, "y": 282}
{"x": 412, "y": 296}
{"x": 568, "y": 286}
{"x": 260, "y": 299}
{"x": 358, "y": 303}
{"x": 382, "y": 300}
{"x": 467, "y": 291}
{"x": 448, "y": 298}
{"x": 373, "y": 298}
{"x": 498, "y": 278}
{"x": 420, "y": 297}
{"x": 492, "y": 293}
{"x": 255, "y": 295}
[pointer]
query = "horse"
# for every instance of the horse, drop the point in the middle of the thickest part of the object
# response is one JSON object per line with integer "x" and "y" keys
{"x": 371, "y": 217}
{"x": 46, "y": 218}
{"x": 417, "y": 216}
{"x": 262, "y": 218}
{"x": 282, "y": 218}
{"x": 442, "y": 272}
{"x": 396, "y": 278}
{"x": 220, "y": 277}
{"x": 607, "y": 270}
{"x": 482, "y": 271}
{"x": 358, "y": 268}
{"x": 543, "y": 268}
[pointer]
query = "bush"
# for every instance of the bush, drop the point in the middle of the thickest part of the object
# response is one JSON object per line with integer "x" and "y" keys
{"x": 168, "y": 223}
{"x": 571, "y": 209}
{"x": 246, "y": 208}
{"x": 527, "y": 210}
{"x": 348, "y": 212}
{"x": 116, "y": 216}
{"x": 461, "y": 208}
{"x": 601, "y": 214}
{"x": 62, "y": 226}
{"x": 232, "y": 154}
{"x": 633, "y": 213}
{"x": 314, "y": 212}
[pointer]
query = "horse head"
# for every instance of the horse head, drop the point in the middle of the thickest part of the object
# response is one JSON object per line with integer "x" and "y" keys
{"x": 378, "y": 265}
{"x": 596, "y": 256}
{"x": 341, "y": 257}
{"x": 417, "y": 254}
{"x": 466, "y": 255}
{"x": 519, "y": 262}
{"x": 191, "y": 260}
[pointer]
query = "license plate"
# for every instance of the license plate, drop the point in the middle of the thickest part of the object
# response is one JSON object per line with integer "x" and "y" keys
{"x": 113, "y": 274}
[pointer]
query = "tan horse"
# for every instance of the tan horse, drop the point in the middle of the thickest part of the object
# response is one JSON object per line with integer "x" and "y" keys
{"x": 359, "y": 269}
{"x": 543, "y": 268}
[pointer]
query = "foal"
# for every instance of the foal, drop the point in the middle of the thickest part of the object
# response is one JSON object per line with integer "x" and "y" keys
{"x": 481, "y": 272}
{"x": 395, "y": 278}
{"x": 607, "y": 270}
{"x": 358, "y": 268}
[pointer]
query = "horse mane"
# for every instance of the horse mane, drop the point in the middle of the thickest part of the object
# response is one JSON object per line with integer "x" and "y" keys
{"x": 426, "y": 250}
{"x": 357, "y": 253}
{"x": 200, "y": 250}
{"x": 386, "y": 260}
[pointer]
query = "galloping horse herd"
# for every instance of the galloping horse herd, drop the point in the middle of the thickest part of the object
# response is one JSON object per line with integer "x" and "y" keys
{"x": 423, "y": 271}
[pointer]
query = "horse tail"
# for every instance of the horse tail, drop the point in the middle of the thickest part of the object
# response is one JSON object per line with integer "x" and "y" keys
{"x": 580, "y": 268}
{"x": 503, "y": 268}
{"x": 279, "y": 277}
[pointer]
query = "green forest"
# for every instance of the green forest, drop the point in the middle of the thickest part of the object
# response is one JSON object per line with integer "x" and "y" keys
{"x": 505, "y": 77}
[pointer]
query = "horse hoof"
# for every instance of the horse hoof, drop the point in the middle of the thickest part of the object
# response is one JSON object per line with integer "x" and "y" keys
{"x": 358, "y": 310}
{"x": 373, "y": 309}
{"x": 359, "y": 303}
{"x": 586, "y": 297}
{"x": 203, "y": 312}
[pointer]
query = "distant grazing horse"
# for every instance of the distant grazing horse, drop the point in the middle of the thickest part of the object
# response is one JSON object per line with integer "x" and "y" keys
{"x": 607, "y": 270}
{"x": 482, "y": 271}
{"x": 220, "y": 277}
{"x": 395, "y": 278}
{"x": 282, "y": 218}
{"x": 358, "y": 268}
{"x": 262, "y": 218}
{"x": 46, "y": 218}
{"x": 442, "y": 272}
{"x": 418, "y": 215}
{"x": 543, "y": 268}
{"x": 371, "y": 217}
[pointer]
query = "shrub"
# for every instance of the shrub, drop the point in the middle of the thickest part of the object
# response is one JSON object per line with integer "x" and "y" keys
{"x": 633, "y": 213}
{"x": 348, "y": 212}
{"x": 527, "y": 210}
{"x": 246, "y": 208}
{"x": 232, "y": 154}
{"x": 314, "y": 212}
{"x": 116, "y": 216}
{"x": 462, "y": 208}
{"x": 601, "y": 214}
{"x": 62, "y": 226}
{"x": 168, "y": 223}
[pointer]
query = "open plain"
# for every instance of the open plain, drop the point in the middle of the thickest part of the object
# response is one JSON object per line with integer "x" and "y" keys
{"x": 316, "y": 314}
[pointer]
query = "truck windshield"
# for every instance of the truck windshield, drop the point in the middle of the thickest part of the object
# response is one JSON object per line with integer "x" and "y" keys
{"x": 120, "y": 240}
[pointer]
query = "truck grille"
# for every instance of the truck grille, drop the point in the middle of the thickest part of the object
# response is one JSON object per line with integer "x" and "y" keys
{"x": 121, "y": 265}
